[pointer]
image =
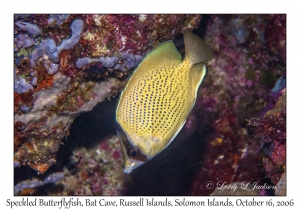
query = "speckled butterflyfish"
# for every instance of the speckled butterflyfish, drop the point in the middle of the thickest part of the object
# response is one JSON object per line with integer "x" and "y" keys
{"x": 158, "y": 98}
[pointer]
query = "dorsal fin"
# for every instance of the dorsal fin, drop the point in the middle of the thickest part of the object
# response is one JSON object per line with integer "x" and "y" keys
{"x": 166, "y": 53}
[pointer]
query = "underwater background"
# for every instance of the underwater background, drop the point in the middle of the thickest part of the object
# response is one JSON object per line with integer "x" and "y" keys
{"x": 69, "y": 70}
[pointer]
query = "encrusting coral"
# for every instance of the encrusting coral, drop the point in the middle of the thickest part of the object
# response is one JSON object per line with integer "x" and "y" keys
{"x": 236, "y": 131}
{"x": 64, "y": 65}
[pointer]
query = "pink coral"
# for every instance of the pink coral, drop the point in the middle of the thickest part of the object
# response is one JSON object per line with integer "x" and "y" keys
{"x": 276, "y": 35}
{"x": 46, "y": 75}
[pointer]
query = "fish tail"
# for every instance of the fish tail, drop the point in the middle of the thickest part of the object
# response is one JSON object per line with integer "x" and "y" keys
{"x": 196, "y": 49}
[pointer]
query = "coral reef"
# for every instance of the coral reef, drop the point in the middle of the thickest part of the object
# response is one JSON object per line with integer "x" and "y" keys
{"x": 122, "y": 63}
{"x": 66, "y": 44}
{"x": 270, "y": 131}
{"x": 236, "y": 91}
{"x": 25, "y": 187}
{"x": 91, "y": 171}
{"x": 64, "y": 65}
{"x": 227, "y": 153}
{"x": 53, "y": 112}
{"x": 57, "y": 19}
{"x": 32, "y": 29}
{"x": 276, "y": 35}
{"x": 98, "y": 171}
{"x": 236, "y": 131}
{"x": 134, "y": 34}
{"x": 23, "y": 41}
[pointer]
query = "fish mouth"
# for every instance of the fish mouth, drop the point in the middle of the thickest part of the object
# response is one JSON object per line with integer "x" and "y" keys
{"x": 130, "y": 165}
{"x": 127, "y": 170}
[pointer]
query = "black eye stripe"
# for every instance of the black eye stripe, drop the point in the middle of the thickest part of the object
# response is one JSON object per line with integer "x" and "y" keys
{"x": 123, "y": 137}
{"x": 133, "y": 152}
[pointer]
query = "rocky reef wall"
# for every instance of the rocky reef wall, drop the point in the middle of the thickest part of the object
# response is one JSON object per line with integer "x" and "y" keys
{"x": 69, "y": 68}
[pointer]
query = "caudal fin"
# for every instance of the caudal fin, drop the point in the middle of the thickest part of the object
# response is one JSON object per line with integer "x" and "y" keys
{"x": 196, "y": 49}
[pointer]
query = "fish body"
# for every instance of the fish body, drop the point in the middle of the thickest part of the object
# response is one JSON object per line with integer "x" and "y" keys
{"x": 158, "y": 98}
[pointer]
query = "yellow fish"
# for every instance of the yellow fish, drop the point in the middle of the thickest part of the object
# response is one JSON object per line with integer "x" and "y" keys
{"x": 158, "y": 98}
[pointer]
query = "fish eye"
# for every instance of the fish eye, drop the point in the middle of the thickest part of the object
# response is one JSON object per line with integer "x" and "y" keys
{"x": 133, "y": 152}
